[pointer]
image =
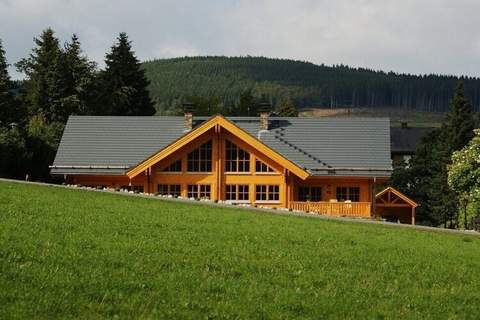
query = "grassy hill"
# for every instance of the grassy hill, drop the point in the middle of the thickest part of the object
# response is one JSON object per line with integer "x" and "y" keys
{"x": 68, "y": 253}
{"x": 309, "y": 85}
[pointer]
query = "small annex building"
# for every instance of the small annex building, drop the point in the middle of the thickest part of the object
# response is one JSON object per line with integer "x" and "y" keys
{"x": 325, "y": 165}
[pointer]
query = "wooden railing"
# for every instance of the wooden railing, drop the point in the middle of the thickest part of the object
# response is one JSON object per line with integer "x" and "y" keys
{"x": 348, "y": 209}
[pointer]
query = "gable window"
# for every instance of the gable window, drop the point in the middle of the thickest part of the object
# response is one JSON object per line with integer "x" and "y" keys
{"x": 199, "y": 191}
{"x": 348, "y": 193}
{"x": 267, "y": 193}
{"x": 309, "y": 193}
{"x": 169, "y": 189}
{"x": 200, "y": 160}
{"x": 236, "y": 159}
{"x": 261, "y": 167}
{"x": 235, "y": 192}
{"x": 176, "y": 166}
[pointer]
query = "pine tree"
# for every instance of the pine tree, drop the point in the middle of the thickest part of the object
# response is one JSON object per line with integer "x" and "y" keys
{"x": 456, "y": 132}
{"x": 76, "y": 77}
{"x": 42, "y": 83}
{"x": 124, "y": 82}
{"x": 287, "y": 109}
{"x": 459, "y": 123}
{"x": 426, "y": 178}
{"x": 7, "y": 101}
{"x": 246, "y": 104}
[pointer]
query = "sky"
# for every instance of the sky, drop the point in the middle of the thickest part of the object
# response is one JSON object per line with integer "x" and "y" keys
{"x": 407, "y": 36}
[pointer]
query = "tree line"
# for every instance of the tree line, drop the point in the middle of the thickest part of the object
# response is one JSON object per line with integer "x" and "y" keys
{"x": 306, "y": 84}
{"x": 60, "y": 81}
{"x": 443, "y": 176}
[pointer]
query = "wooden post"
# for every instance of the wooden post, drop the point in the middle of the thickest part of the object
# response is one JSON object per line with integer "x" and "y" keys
{"x": 413, "y": 215}
{"x": 374, "y": 199}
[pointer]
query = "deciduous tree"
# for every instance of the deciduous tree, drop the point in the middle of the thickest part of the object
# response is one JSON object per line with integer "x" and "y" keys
{"x": 464, "y": 174}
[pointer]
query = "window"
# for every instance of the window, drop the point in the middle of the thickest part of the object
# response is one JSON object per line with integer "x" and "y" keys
{"x": 137, "y": 188}
{"x": 169, "y": 189}
{"x": 236, "y": 159}
{"x": 315, "y": 194}
{"x": 303, "y": 194}
{"x": 261, "y": 193}
{"x": 176, "y": 166}
{"x": 354, "y": 194}
{"x": 262, "y": 167}
{"x": 204, "y": 191}
{"x": 348, "y": 193}
{"x": 267, "y": 193}
{"x": 192, "y": 191}
{"x": 243, "y": 192}
{"x": 200, "y": 160}
{"x": 201, "y": 191}
{"x": 236, "y": 192}
{"x": 309, "y": 193}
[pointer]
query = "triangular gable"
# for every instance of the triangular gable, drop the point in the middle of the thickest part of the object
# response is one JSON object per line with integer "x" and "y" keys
{"x": 398, "y": 194}
{"x": 203, "y": 128}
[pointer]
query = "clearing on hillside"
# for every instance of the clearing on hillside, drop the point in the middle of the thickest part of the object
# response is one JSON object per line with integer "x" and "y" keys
{"x": 68, "y": 253}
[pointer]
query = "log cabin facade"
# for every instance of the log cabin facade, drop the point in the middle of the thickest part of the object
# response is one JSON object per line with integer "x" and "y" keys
{"x": 329, "y": 166}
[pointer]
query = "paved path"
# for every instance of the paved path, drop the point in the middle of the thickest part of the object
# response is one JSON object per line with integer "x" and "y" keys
{"x": 263, "y": 210}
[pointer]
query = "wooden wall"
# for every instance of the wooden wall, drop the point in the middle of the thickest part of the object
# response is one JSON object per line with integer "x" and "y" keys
{"x": 218, "y": 178}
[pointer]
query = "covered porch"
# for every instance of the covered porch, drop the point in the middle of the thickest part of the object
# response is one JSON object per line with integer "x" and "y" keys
{"x": 390, "y": 204}
{"x": 333, "y": 208}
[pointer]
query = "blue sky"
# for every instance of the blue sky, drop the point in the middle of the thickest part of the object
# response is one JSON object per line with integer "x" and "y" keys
{"x": 411, "y": 36}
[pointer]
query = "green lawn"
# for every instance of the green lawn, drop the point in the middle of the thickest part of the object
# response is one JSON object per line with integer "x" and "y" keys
{"x": 81, "y": 254}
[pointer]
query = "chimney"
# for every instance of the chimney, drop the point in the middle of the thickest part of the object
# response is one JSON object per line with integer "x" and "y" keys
{"x": 404, "y": 125}
{"x": 264, "y": 110}
{"x": 188, "y": 116}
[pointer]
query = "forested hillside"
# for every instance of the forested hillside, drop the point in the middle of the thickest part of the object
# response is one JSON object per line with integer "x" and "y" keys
{"x": 307, "y": 84}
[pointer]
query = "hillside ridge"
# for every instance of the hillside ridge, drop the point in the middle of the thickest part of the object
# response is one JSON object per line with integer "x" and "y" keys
{"x": 309, "y": 85}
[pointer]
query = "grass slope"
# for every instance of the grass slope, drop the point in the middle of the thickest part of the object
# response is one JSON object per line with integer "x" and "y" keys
{"x": 79, "y": 254}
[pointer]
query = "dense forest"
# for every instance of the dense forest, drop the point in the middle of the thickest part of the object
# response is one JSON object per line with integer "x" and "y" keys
{"x": 306, "y": 84}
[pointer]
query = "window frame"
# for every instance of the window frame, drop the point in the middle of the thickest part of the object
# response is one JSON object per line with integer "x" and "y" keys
{"x": 309, "y": 195}
{"x": 201, "y": 157}
{"x": 197, "y": 191}
{"x": 271, "y": 193}
{"x": 349, "y": 190}
{"x": 167, "y": 169}
{"x": 169, "y": 188}
{"x": 233, "y": 159}
{"x": 270, "y": 170}
{"x": 237, "y": 191}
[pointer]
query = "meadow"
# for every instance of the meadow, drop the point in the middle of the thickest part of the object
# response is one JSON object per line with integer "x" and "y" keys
{"x": 67, "y": 253}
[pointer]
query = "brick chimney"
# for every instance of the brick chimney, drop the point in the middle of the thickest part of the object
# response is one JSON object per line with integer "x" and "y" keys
{"x": 188, "y": 116}
{"x": 264, "y": 111}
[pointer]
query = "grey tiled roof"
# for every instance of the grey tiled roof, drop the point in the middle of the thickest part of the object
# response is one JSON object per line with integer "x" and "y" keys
{"x": 406, "y": 140}
{"x": 322, "y": 146}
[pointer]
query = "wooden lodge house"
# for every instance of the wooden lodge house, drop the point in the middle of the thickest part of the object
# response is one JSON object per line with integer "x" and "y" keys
{"x": 331, "y": 166}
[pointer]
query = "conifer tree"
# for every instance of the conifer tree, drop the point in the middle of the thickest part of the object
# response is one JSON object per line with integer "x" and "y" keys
{"x": 425, "y": 180}
{"x": 246, "y": 104}
{"x": 76, "y": 81}
{"x": 7, "y": 101}
{"x": 42, "y": 83}
{"x": 124, "y": 82}
{"x": 287, "y": 109}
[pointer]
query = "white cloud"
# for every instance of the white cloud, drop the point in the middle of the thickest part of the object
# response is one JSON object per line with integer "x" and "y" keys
{"x": 428, "y": 36}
